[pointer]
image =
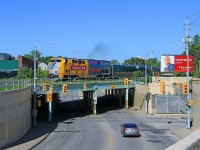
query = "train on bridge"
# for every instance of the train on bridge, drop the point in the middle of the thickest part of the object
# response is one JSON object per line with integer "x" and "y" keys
{"x": 62, "y": 67}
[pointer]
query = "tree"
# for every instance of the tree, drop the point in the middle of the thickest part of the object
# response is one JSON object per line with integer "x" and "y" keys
{"x": 135, "y": 61}
{"x": 194, "y": 50}
{"x": 38, "y": 55}
{"x": 138, "y": 73}
{"x": 141, "y": 61}
{"x": 41, "y": 73}
{"x": 153, "y": 62}
{"x": 25, "y": 72}
{"x": 114, "y": 62}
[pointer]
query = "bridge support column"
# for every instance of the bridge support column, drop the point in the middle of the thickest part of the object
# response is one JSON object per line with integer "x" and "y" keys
{"x": 94, "y": 100}
{"x": 50, "y": 111}
{"x": 126, "y": 99}
{"x": 109, "y": 93}
{"x": 94, "y": 109}
{"x": 112, "y": 96}
{"x": 120, "y": 98}
{"x": 116, "y": 96}
{"x": 106, "y": 92}
{"x": 91, "y": 102}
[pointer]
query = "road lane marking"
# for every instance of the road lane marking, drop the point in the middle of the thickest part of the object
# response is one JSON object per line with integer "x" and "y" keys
{"x": 111, "y": 142}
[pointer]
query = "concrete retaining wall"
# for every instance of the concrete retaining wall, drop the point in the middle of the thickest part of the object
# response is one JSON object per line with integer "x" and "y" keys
{"x": 15, "y": 115}
{"x": 139, "y": 98}
{"x": 196, "y": 102}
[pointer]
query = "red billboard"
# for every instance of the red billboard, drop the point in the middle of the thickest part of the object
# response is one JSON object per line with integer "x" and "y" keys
{"x": 175, "y": 63}
{"x": 180, "y": 63}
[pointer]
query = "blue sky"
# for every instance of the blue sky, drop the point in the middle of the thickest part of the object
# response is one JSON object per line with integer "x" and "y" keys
{"x": 99, "y": 29}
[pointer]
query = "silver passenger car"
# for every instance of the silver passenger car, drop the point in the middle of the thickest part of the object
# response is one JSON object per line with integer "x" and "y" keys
{"x": 130, "y": 129}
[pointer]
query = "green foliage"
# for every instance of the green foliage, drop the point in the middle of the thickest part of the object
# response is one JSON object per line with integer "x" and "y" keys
{"x": 196, "y": 74}
{"x": 135, "y": 60}
{"x": 179, "y": 74}
{"x": 153, "y": 62}
{"x": 39, "y": 58}
{"x": 194, "y": 50}
{"x": 45, "y": 59}
{"x": 138, "y": 73}
{"x": 114, "y": 62}
{"x": 25, "y": 72}
{"x": 141, "y": 61}
{"x": 41, "y": 73}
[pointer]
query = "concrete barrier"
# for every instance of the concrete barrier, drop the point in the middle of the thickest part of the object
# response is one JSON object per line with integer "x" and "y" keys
{"x": 186, "y": 142}
{"x": 15, "y": 115}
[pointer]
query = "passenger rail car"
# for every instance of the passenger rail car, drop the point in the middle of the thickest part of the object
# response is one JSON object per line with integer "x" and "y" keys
{"x": 61, "y": 67}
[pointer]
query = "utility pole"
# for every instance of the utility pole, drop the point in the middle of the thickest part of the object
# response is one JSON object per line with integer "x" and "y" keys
{"x": 150, "y": 54}
{"x": 188, "y": 76}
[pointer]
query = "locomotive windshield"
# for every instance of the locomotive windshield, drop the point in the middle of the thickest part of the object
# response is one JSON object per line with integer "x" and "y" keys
{"x": 55, "y": 60}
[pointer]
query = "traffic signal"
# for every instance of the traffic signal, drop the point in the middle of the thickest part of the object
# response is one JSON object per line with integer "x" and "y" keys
{"x": 162, "y": 86}
{"x": 44, "y": 86}
{"x": 38, "y": 103}
{"x": 148, "y": 95}
{"x": 49, "y": 96}
{"x": 177, "y": 84}
{"x": 84, "y": 87}
{"x": 52, "y": 88}
{"x": 185, "y": 88}
{"x": 189, "y": 103}
{"x": 113, "y": 86}
{"x": 125, "y": 81}
{"x": 64, "y": 88}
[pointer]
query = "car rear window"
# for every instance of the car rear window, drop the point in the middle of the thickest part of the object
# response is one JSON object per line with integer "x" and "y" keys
{"x": 130, "y": 125}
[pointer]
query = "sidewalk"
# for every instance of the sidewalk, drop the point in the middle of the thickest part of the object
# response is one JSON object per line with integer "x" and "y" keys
{"x": 33, "y": 137}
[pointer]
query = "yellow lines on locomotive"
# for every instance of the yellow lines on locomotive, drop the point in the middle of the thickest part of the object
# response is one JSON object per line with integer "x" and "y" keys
{"x": 76, "y": 67}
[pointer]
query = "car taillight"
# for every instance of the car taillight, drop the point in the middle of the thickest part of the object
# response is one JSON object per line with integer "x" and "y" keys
{"x": 125, "y": 129}
{"x": 136, "y": 129}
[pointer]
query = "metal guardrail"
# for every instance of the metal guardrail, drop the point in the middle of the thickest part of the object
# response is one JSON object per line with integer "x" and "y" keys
{"x": 7, "y": 85}
{"x": 79, "y": 87}
{"x": 13, "y": 84}
{"x": 90, "y": 80}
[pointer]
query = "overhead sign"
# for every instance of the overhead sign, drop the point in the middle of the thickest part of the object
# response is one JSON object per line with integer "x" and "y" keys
{"x": 175, "y": 63}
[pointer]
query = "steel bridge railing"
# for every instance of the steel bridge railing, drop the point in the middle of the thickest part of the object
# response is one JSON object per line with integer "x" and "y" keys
{"x": 14, "y": 84}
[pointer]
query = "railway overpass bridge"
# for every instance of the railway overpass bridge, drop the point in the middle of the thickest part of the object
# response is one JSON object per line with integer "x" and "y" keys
{"x": 116, "y": 90}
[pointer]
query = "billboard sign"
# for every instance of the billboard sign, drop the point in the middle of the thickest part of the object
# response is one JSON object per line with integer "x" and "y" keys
{"x": 175, "y": 63}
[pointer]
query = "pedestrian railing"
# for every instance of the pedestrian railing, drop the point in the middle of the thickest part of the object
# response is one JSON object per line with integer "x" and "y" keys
{"x": 6, "y": 85}
{"x": 13, "y": 84}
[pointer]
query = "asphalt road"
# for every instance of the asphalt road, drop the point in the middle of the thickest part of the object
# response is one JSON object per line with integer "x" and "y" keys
{"x": 78, "y": 130}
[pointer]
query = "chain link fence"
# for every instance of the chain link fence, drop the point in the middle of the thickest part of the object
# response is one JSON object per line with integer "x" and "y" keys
{"x": 169, "y": 104}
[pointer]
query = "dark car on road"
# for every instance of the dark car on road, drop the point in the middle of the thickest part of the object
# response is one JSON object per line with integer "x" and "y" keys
{"x": 130, "y": 129}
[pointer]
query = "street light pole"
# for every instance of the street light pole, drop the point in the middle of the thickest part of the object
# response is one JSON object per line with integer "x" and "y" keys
{"x": 34, "y": 85}
{"x": 34, "y": 90}
{"x": 146, "y": 100}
